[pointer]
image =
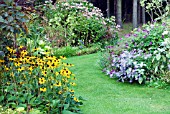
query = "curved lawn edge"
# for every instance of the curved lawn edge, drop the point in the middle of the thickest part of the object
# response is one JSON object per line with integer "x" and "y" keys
{"x": 107, "y": 96}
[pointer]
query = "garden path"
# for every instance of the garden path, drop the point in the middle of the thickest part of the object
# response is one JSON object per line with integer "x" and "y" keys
{"x": 107, "y": 96}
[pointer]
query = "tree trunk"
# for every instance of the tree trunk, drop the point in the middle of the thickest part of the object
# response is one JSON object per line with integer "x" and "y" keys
{"x": 143, "y": 15}
{"x": 115, "y": 9}
{"x": 108, "y": 8}
{"x": 135, "y": 22}
{"x": 119, "y": 13}
{"x": 139, "y": 12}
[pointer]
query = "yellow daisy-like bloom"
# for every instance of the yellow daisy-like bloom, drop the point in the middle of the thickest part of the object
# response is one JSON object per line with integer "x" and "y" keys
{"x": 36, "y": 49}
{"x": 20, "y": 69}
{"x": 12, "y": 74}
{"x": 63, "y": 57}
{"x": 43, "y": 89}
{"x": 72, "y": 90}
{"x": 20, "y": 47}
{"x": 24, "y": 53}
{"x": 60, "y": 92}
{"x": 44, "y": 73}
{"x": 30, "y": 68}
{"x": 58, "y": 84}
{"x": 75, "y": 99}
{"x": 17, "y": 64}
{"x": 42, "y": 80}
{"x": 6, "y": 68}
{"x": 73, "y": 84}
{"x": 2, "y": 61}
{"x": 56, "y": 73}
{"x": 65, "y": 72}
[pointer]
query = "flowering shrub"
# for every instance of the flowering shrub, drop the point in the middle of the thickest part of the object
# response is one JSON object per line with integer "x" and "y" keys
{"x": 42, "y": 82}
{"x": 73, "y": 21}
{"x": 148, "y": 38}
{"x": 147, "y": 58}
{"x": 125, "y": 67}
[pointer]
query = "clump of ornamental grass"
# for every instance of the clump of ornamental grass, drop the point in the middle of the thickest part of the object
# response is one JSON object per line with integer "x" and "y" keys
{"x": 42, "y": 82}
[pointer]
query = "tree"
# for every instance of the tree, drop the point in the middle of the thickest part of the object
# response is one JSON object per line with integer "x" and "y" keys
{"x": 135, "y": 13}
{"x": 143, "y": 15}
{"x": 119, "y": 13}
{"x": 108, "y": 8}
{"x": 139, "y": 12}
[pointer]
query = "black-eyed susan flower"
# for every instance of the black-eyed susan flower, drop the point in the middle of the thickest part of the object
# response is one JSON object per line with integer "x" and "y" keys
{"x": 2, "y": 61}
{"x": 43, "y": 89}
{"x": 44, "y": 73}
{"x": 75, "y": 99}
{"x": 12, "y": 74}
{"x": 30, "y": 68}
{"x": 63, "y": 57}
{"x": 60, "y": 92}
{"x": 73, "y": 84}
{"x": 58, "y": 84}
{"x": 20, "y": 69}
{"x": 56, "y": 73}
{"x": 42, "y": 80}
{"x": 65, "y": 72}
{"x": 72, "y": 91}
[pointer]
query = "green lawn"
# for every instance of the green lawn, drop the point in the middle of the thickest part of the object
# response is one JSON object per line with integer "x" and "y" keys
{"x": 107, "y": 96}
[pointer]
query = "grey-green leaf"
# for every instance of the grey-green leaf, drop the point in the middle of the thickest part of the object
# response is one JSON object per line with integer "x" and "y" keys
{"x": 1, "y": 19}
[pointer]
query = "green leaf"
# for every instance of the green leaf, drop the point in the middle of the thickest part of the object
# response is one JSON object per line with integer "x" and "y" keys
{"x": 66, "y": 106}
{"x": 22, "y": 105}
{"x": 140, "y": 80}
{"x": 67, "y": 112}
{"x": 10, "y": 19}
{"x": 55, "y": 102}
{"x": 32, "y": 100}
{"x": 81, "y": 98}
{"x": 156, "y": 69}
{"x": 1, "y": 19}
{"x": 158, "y": 56}
{"x": 168, "y": 55}
{"x": 1, "y": 98}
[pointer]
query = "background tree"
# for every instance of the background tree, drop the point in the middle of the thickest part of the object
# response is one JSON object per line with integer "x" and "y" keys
{"x": 135, "y": 22}
{"x": 119, "y": 13}
{"x": 108, "y": 8}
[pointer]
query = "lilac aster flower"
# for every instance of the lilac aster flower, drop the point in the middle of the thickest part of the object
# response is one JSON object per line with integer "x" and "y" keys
{"x": 146, "y": 31}
{"x": 145, "y": 36}
{"x": 169, "y": 66}
{"x": 162, "y": 36}
{"x": 163, "y": 24}
{"x": 150, "y": 43}
{"x": 127, "y": 35}
{"x": 135, "y": 35}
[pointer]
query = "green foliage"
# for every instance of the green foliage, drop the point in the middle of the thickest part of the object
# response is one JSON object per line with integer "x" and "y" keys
{"x": 148, "y": 38}
{"x": 147, "y": 58}
{"x": 156, "y": 7}
{"x": 12, "y": 22}
{"x": 74, "y": 20}
{"x": 39, "y": 82}
{"x": 65, "y": 51}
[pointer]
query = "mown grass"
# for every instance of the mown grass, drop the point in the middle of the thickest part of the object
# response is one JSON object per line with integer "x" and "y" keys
{"x": 107, "y": 96}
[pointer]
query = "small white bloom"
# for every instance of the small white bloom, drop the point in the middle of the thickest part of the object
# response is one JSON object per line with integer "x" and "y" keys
{"x": 165, "y": 32}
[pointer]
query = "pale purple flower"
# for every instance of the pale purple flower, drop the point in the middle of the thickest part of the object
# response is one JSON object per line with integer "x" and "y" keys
{"x": 162, "y": 36}
{"x": 127, "y": 35}
{"x": 150, "y": 43}
{"x": 163, "y": 24}
{"x": 169, "y": 66}
{"x": 145, "y": 36}
{"x": 135, "y": 35}
{"x": 146, "y": 31}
